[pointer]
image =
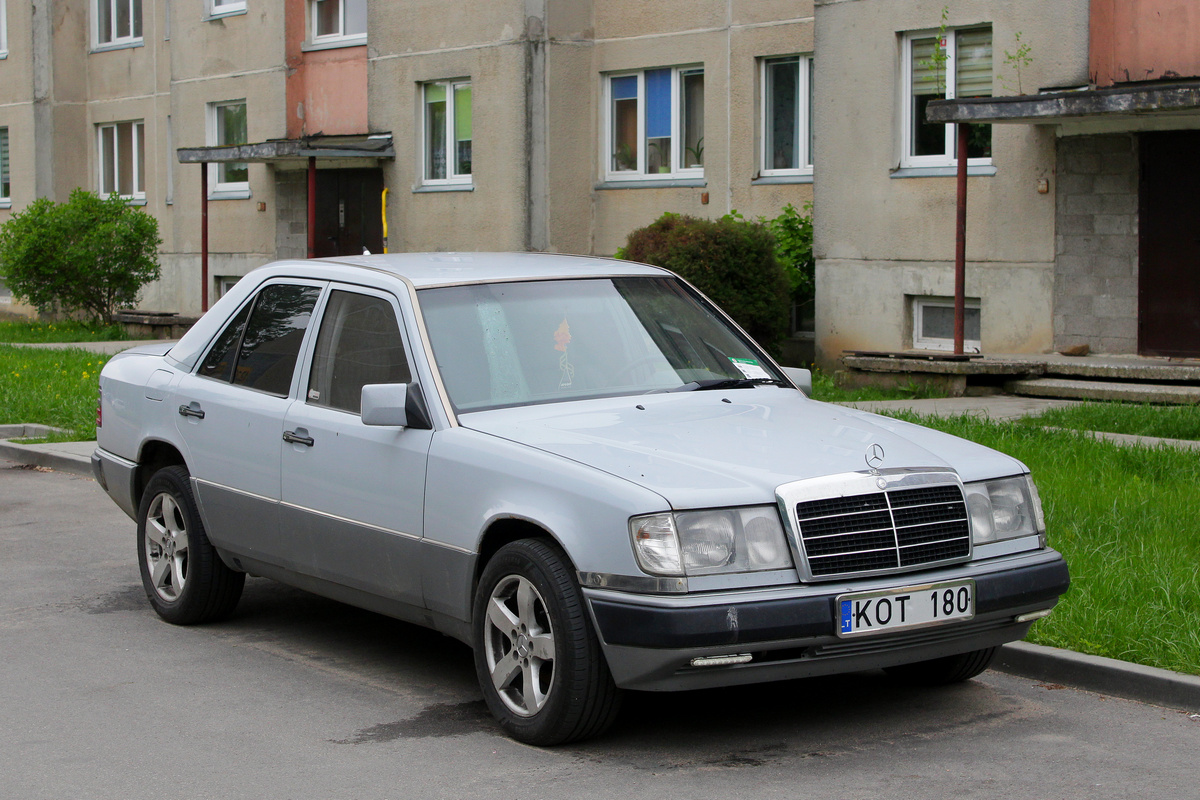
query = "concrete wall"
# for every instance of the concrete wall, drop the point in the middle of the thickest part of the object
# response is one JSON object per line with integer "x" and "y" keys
{"x": 1096, "y": 283}
{"x": 882, "y": 239}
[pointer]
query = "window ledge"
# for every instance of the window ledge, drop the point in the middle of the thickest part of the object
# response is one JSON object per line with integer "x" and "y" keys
{"x": 774, "y": 180}
{"x": 3, "y": 54}
{"x": 333, "y": 44}
{"x": 216, "y": 15}
{"x": 229, "y": 194}
{"x": 5, "y": 203}
{"x": 973, "y": 170}
{"x": 676, "y": 183}
{"x": 443, "y": 187}
{"x": 104, "y": 48}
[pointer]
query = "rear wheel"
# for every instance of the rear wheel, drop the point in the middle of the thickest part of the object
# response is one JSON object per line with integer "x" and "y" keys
{"x": 942, "y": 671}
{"x": 183, "y": 576}
{"x": 538, "y": 659}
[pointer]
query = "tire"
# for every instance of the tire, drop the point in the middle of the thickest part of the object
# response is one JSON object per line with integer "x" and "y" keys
{"x": 532, "y": 632}
{"x": 943, "y": 671}
{"x": 184, "y": 578}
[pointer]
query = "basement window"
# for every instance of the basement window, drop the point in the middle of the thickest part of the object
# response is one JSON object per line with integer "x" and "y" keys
{"x": 933, "y": 324}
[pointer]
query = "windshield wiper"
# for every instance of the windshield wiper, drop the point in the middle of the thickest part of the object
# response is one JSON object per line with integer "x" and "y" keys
{"x": 726, "y": 383}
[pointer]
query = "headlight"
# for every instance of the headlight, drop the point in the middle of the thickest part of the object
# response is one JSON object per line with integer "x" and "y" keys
{"x": 709, "y": 542}
{"x": 1006, "y": 508}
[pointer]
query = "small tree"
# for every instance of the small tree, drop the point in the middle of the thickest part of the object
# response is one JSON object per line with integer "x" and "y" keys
{"x": 90, "y": 255}
{"x": 731, "y": 260}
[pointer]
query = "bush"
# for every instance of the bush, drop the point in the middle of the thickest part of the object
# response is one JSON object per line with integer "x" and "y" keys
{"x": 730, "y": 259}
{"x": 794, "y": 249}
{"x": 89, "y": 255}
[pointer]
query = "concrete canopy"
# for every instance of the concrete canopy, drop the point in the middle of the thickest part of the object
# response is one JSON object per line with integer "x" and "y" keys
{"x": 278, "y": 151}
{"x": 1117, "y": 104}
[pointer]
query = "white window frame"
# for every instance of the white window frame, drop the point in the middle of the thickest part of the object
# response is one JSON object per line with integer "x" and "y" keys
{"x": 138, "y": 133}
{"x": 341, "y": 38}
{"x": 6, "y": 148}
{"x": 217, "y": 188}
{"x": 677, "y": 133}
{"x": 803, "y": 117}
{"x": 950, "y": 158}
{"x": 3, "y": 29}
{"x": 225, "y": 8}
{"x": 452, "y": 178}
{"x": 922, "y": 342}
{"x": 117, "y": 40}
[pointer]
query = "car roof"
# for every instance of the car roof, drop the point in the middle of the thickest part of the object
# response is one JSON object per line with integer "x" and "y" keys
{"x": 439, "y": 269}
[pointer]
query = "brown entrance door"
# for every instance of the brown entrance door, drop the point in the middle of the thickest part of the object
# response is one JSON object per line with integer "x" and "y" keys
{"x": 349, "y": 204}
{"x": 1169, "y": 244}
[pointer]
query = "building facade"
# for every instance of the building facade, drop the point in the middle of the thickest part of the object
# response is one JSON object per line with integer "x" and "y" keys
{"x": 556, "y": 125}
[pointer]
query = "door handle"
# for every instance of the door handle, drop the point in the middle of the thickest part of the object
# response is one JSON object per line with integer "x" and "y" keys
{"x": 192, "y": 410}
{"x": 294, "y": 437}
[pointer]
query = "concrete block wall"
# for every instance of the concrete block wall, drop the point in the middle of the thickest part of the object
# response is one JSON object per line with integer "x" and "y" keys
{"x": 1096, "y": 243}
{"x": 291, "y": 218}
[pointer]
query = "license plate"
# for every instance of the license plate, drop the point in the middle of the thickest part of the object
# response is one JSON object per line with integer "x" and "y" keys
{"x": 909, "y": 607}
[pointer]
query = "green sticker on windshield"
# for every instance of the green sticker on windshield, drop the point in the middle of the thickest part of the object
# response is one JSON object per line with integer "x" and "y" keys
{"x": 749, "y": 367}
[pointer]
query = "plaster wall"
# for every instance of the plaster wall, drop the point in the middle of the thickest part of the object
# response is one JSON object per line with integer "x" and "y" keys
{"x": 1144, "y": 40}
{"x": 16, "y": 69}
{"x": 490, "y": 212}
{"x": 885, "y": 236}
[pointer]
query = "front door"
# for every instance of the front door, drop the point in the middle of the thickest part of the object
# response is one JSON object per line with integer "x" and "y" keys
{"x": 349, "y": 212}
{"x": 1169, "y": 244}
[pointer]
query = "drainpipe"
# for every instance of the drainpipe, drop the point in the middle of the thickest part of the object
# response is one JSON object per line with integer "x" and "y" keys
{"x": 204, "y": 236}
{"x": 312, "y": 206}
{"x": 960, "y": 244}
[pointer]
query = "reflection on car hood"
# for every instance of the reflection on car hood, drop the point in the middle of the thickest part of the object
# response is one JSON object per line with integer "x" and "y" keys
{"x": 715, "y": 448}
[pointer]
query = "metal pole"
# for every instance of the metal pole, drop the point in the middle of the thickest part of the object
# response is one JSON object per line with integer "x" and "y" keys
{"x": 204, "y": 236}
{"x": 312, "y": 207}
{"x": 960, "y": 245}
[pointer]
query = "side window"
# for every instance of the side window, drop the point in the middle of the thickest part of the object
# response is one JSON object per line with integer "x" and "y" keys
{"x": 266, "y": 341}
{"x": 359, "y": 343}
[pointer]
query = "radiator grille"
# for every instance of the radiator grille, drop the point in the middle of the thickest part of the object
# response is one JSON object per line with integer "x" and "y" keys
{"x": 884, "y": 530}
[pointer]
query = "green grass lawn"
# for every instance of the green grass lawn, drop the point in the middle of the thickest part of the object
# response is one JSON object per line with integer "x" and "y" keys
{"x": 1125, "y": 519}
{"x": 50, "y": 387}
{"x": 33, "y": 331}
{"x": 1140, "y": 419}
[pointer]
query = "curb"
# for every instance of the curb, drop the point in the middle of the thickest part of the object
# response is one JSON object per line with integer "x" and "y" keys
{"x": 39, "y": 456}
{"x": 1159, "y": 687}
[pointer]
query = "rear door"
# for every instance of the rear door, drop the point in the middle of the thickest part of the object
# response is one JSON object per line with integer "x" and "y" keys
{"x": 356, "y": 492}
{"x": 231, "y": 412}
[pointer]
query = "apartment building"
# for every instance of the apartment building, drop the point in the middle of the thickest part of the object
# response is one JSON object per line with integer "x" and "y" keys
{"x": 257, "y": 129}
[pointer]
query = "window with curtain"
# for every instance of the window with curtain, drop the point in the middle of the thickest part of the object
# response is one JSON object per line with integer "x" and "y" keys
{"x": 117, "y": 21}
{"x": 447, "y": 132}
{"x": 654, "y": 122}
{"x": 965, "y": 72}
{"x": 227, "y": 124}
{"x": 787, "y": 116}
{"x": 122, "y": 159}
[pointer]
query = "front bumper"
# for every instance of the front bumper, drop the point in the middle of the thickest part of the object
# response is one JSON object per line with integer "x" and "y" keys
{"x": 650, "y": 641}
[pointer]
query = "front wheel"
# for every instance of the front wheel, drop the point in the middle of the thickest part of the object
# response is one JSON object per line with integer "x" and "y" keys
{"x": 942, "y": 671}
{"x": 183, "y": 576}
{"x": 538, "y": 659}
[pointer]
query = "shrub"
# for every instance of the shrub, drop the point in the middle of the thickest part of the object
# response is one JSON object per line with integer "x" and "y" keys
{"x": 730, "y": 259}
{"x": 794, "y": 249}
{"x": 89, "y": 255}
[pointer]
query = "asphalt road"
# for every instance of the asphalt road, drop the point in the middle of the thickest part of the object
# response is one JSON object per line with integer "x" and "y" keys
{"x": 299, "y": 697}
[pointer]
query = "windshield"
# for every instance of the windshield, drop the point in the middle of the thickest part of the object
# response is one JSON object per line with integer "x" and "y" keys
{"x": 508, "y": 344}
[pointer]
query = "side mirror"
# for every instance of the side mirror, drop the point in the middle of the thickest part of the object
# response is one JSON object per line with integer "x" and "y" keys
{"x": 394, "y": 405}
{"x": 385, "y": 404}
{"x": 801, "y": 377}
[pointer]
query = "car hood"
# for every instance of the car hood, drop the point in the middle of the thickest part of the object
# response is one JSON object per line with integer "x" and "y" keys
{"x": 714, "y": 448}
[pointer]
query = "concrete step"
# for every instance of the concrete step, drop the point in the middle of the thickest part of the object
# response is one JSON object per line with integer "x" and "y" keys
{"x": 1167, "y": 394}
